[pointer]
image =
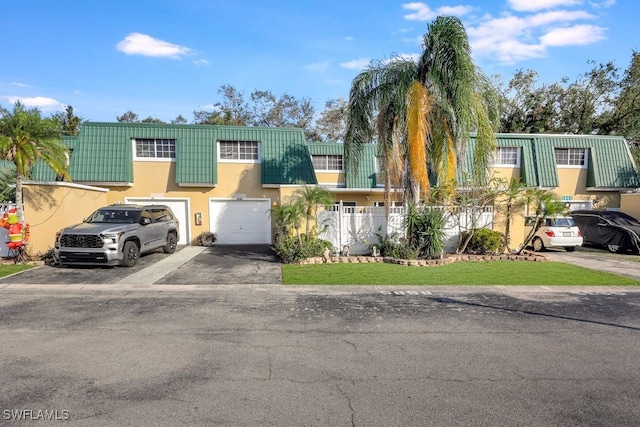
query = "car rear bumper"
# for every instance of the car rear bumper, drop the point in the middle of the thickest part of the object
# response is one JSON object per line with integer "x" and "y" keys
{"x": 563, "y": 242}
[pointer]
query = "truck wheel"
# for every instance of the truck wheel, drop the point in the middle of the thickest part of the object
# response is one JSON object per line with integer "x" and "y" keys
{"x": 172, "y": 242}
{"x": 131, "y": 254}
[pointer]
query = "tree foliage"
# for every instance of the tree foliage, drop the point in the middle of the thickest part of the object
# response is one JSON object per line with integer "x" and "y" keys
{"x": 69, "y": 122}
{"x": 423, "y": 112}
{"x": 25, "y": 138}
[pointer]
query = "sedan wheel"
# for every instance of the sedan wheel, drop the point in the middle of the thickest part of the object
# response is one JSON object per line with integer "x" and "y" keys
{"x": 537, "y": 244}
{"x": 613, "y": 248}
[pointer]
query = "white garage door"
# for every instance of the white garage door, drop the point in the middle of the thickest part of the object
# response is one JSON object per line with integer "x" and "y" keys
{"x": 180, "y": 208}
{"x": 241, "y": 221}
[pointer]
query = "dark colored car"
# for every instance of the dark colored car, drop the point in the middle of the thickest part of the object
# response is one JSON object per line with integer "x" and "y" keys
{"x": 614, "y": 230}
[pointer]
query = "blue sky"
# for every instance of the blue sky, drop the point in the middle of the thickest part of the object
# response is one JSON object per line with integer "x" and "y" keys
{"x": 162, "y": 58}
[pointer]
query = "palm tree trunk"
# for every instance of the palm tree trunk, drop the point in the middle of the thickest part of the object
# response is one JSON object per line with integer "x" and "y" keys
{"x": 19, "y": 206}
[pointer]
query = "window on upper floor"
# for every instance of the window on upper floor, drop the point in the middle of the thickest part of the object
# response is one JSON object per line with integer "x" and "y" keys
{"x": 507, "y": 157}
{"x": 154, "y": 148}
{"x": 239, "y": 151}
{"x": 326, "y": 162}
{"x": 575, "y": 157}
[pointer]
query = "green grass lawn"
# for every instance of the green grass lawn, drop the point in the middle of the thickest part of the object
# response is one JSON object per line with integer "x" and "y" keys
{"x": 7, "y": 269}
{"x": 458, "y": 273}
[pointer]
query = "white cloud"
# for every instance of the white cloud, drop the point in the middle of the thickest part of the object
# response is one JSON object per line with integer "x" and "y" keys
{"x": 603, "y": 4}
{"x": 18, "y": 84}
{"x": 145, "y": 45}
{"x": 201, "y": 62}
{"x": 44, "y": 103}
{"x": 348, "y": 38}
{"x": 318, "y": 66}
{"x": 570, "y": 36}
{"x": 512, "y": 38}
{"x": 534, "y": 5}
{"x": 423, "y": 12}
{"x": 356, "y": 64}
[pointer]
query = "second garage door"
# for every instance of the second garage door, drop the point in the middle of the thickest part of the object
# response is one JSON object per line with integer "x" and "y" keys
{"x": 241, "y": 221}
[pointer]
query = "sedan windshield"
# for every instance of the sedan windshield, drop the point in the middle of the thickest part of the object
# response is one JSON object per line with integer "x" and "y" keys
{"x": 114, "y": 216}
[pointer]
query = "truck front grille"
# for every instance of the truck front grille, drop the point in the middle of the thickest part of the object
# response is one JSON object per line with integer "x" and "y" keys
{"x": 80, "y": 241}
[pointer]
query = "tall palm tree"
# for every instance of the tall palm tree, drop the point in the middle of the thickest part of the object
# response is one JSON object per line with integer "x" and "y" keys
{"x": 25, "y": 138}
{"x": 422, "y": 112}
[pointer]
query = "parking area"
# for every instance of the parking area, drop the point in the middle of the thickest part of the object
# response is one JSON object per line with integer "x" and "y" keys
{"x": 194, "y": 265}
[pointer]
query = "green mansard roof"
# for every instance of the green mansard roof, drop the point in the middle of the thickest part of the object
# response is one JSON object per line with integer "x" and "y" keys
{"x": 103, "y": 152}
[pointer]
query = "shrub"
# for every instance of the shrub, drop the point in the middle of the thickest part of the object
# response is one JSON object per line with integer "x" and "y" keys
{"x": 483, "y": 241}
{"x": 206, "y": 238}
{"x": 425, "y": 230}
{"x": 391, "y": 246}
{"x": 293, "y": 249}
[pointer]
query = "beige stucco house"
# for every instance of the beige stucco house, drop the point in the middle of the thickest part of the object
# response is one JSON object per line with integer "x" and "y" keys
{"x": 226, "y": 178}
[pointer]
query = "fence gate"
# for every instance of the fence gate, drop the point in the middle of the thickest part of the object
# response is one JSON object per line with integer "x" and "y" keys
{"x": 359, "y": 226}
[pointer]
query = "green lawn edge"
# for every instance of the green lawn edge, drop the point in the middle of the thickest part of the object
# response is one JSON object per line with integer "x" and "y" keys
{"x": 9, "y": 269}
{"x": 472, "y": 273}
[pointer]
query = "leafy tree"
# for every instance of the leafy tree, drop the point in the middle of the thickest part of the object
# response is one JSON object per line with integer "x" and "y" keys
{"x": 525, "y": 108}
{"x": 543, "y": 203}
{"x": 151, "y": 120}
{"x": 511, "y": 198}
{"x": 331, "y": 126}
{"x": 423, "y": 112}
{"x": 286, "y": 111}
{"x": 233, "y": 110}
{"x": 7, "y": 185}
{"x": 128, "y": 117}
{"x": 25, "y": 138}
{"x": 582, "y": 106}
{"x": 625, "y": 120}
{"x": 180, "y": 120}
{"x": 468, "y": 204}
{"x": 69, "y": 122}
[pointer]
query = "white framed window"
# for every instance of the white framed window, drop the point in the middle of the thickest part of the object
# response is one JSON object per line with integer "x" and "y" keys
{"x": 154, "y": 148}
{"x": 507, "y": 157}
{"x": 571, "y": 157}
{"x": 239, "y": 151}
{"x": 327, "y": 162}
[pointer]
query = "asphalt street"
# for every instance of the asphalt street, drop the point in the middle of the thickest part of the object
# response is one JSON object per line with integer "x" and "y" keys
{"x": 209, "y": 336}
{"x": 238, "y": 355}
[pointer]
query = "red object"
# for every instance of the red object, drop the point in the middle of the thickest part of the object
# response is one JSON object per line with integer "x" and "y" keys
{"x": 15, "y": 245}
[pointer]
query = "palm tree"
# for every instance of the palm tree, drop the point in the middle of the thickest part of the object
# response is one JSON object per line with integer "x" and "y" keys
{"x": 422, "y": 112}
{"x": 309, "y": 198}
{"x": 25, "y": 138}
{"x": 287, "y": 217}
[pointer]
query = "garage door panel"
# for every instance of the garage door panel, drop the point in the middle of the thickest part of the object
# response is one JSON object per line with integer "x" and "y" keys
{"x": 179, "y": 208}
{"x": 241, "y": 221}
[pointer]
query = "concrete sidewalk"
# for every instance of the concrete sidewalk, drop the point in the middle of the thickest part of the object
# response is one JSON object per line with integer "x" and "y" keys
{"x": 163, "y": 267}
{"x": 597, "y": 261}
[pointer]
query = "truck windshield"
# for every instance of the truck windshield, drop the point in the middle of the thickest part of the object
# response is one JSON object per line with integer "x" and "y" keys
{"x": 117, "y": 216}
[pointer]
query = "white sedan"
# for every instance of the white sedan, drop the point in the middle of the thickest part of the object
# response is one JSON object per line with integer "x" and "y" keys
{"x": 557, "y": 232}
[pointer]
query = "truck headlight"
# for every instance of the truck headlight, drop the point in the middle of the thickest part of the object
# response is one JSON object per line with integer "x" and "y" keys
{"x": 114, "y": 237}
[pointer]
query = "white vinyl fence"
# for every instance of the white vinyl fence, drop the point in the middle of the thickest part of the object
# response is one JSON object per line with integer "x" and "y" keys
{"x": 359, "y": 226}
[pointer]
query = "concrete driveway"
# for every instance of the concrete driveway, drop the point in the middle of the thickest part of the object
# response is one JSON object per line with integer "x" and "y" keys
{"x": 596, "y": 259}
{"x": 194, "y": 265}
